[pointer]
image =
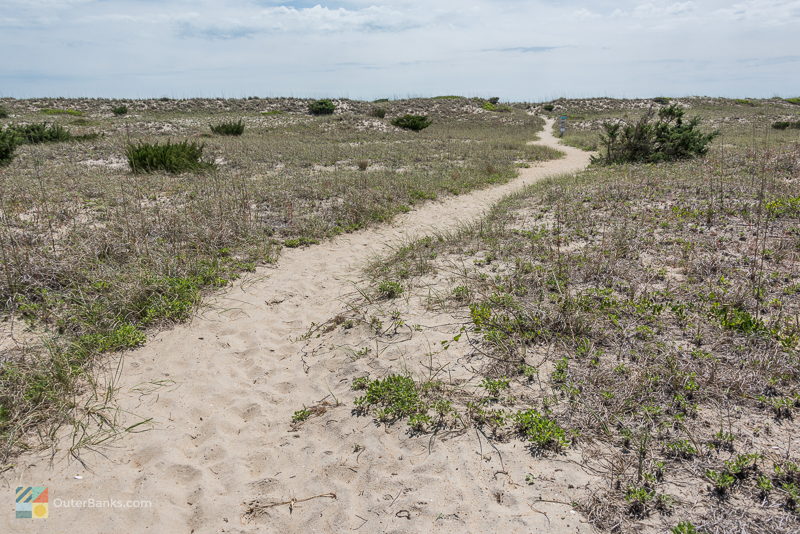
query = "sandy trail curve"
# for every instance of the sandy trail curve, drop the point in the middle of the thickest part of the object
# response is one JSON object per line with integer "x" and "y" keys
{"x": 221, "y": 391}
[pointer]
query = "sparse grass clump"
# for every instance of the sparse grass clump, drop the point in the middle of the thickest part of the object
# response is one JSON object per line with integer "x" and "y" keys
{"x": 322, "y": 107}
{"x": 378, "y": 112}
{"x": 169, "y": 157}
{"x": 228, "y": 128}
{"x": 412, "y": 122}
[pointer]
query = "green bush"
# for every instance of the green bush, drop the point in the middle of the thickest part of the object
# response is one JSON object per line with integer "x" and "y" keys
{"x": 378, "y": 112}
{"x": 322, "y": 107}
{"x": 548, "y": 107}
{"x": 795, "y": 101}
{"x": 663, "y": 100}
{"x": 170, "y": 157}
{"x": 41, "y": 133}
{"x": 8, "y": 144}
{"x": 412, "y": 122}
{"x": 666, "y": 138}
{"x": 119, "y": 110}
{"x": 228, "y": 128}
{"x": 3, "y": 113}
{"x": 493, "y": 100}
{"x": 783, "y": 125}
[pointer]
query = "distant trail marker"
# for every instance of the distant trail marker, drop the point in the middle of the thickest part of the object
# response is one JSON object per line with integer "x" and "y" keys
{"x": 562, "y": 125}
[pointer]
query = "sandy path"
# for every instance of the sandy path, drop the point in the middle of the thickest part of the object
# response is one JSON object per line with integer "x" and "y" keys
{"x": 221, "y": 435}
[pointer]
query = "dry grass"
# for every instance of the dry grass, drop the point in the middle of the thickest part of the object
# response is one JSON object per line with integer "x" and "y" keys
{"x": 93, "y": 255}
{"x": 651, "y": 312}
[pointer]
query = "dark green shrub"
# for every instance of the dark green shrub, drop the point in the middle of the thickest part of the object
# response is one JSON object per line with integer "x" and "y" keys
{"x": 380, "y": 100}
{"x": 783, "y": 125}
{"x": 8, "y": 143}
{"x": 494, "y": 100}
{"x": 119, "y": 110}
{"x": 3, "y": 113}
{"x": 377, "y": 112}
{"x": 41, "y": 133}
{"x": 412, "y": 122}
{"x": 663, "y": 100}
{"x": 322, "y": 107}
{"x": 667, "y": 138}
{"x": 548, "y": 107}
{"x": 170, "y": 157}
{"x": 228, "y": 128}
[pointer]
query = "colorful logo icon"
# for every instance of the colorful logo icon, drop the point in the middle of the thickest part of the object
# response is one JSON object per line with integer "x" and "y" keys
{"x": 32, "y": 502}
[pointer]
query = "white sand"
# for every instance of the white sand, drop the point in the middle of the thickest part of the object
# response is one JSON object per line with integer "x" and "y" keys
{"x": 221, "y": 392}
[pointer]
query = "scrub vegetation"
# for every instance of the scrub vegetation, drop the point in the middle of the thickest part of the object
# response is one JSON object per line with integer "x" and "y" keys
{"x": 106, "y": 239}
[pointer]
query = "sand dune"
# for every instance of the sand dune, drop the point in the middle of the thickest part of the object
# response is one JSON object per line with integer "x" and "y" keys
{"x": 220, "y": 454}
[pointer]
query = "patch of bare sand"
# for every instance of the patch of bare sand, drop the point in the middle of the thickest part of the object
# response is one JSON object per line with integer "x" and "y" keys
{"x": 221, "y": 391}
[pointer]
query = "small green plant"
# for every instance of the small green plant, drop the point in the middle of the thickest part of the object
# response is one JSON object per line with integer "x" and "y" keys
{"x": 170, "y": 157}
{"x": 415, "y": 123}
{"x": 297, "y": 242}
{"x": 119, "y": 110}
{"x": 389, "y": 289}
{"x": 548, "y": 107}
{"x": 721, "y": 480}
{"x": 273, "y": 112}
{"x": 663, "y": 100}
{"x": 228, "y": 128}
{"x": 494, "y": 386}
{"x": 395, "y": 397}
{"x": 3, "y": 113}
{"x": 377, "y": 112}
{"x": 544, "y": 432}
{"x": 322, "y": 107}
{"x": 55, "y": 111}
{"x": 684, "y": 527}
{"x": 301, "y": 415}
{"x": 681, "y": 448}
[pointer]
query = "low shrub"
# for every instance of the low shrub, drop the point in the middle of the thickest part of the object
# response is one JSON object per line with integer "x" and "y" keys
{"x": 170, "y": 157}
{"x": 322, "y": 107}
{"x": 795, "y": 101}
{"x": 412, "y": 122}
{"x": 119, "y": 110}
{"x": 663, "y": 100}
{"x": 378, "y": 112}
{"x": 8, "y": 144}
{"x": 41, "y": 133}
{"x": 666, "y": 138}
{"x": 783, "y": 125}
{"x": 548, "y": 107}
{"x": 228, "y": 128}
{"x": 3, "y": 113}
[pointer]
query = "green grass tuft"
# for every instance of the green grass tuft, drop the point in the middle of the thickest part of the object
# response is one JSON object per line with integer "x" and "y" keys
{"x": 56, "y": 111}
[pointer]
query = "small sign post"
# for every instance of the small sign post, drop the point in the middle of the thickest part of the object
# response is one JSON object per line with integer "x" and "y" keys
{"x": 562, "y": 125}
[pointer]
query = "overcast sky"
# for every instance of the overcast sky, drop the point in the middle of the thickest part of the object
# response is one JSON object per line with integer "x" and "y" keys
{"x": 515, "y": 49}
